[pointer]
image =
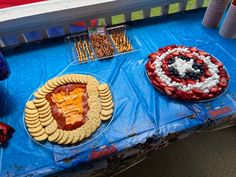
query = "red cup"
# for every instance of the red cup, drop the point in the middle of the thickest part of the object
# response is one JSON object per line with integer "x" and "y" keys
{"x": 214, "y": 13}
{"x": 228, "y": 29}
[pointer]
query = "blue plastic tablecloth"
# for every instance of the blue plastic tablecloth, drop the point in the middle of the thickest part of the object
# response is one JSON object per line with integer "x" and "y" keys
{"x": 141, "y": 111}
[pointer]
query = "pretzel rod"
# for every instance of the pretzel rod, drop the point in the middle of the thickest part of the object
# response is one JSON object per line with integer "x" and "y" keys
{"x": 78, "y": 52}
{"x": 121, "y": 40}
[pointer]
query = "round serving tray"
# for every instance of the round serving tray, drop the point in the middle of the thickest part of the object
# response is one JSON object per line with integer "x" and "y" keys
{"x": 104, "y": 125}
{"x": 200, "y": 101}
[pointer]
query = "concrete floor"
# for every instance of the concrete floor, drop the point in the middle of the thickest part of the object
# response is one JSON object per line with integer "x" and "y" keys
{"x": 211, "y": 154}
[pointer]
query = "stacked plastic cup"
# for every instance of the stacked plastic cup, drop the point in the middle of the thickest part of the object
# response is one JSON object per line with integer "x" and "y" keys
{"x": 228, "y": 29}
{"x": 4, "y": 68}
{"x": 214, "y": 13}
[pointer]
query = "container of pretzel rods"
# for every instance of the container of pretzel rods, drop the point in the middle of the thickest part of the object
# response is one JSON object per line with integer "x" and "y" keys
{"x": 100, "y": 43}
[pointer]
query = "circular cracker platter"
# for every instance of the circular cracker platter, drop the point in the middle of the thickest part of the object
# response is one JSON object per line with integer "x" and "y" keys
{"x": 187, "y": 73}
{"x": 69, "y": 110}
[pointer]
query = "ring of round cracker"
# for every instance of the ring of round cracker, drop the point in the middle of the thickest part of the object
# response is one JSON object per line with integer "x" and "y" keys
{"x": 64, "y": 137}
{"x": 37, "y": 95}
{"x": 104, "y": 94}
{"x": 38, "y": 133}
{"x": 47, "y": 122}
{"x": 70, "y": 138}
{"x": 45, "y": 89}
{"x": 31, "y": 111}
{"x": 45, "y": 111}
{"x": 40, "y": 120}
{"x": 42, "y": 92}
{"x": 105, "y": 118}
{"x": 88, "y": 131}
{"x": 82, "y": 133}
{"x": 30, "y": 105}
{"x": 31, "y": 118}
{"x": 32, "y": 122}
{"x": 35, "y": 129}
{"x": 103, "y": 87}
{"x": 106, "y": 104}
{"x": 52, "y": 84}
{"x": 51, "y": 128}
{"x": 41, "y": 104}
{"x": 60, "y": 136}
{"x": 43, "y": 137}
{"x": 54, "y": 136}
{"x": 108, "y": 107}
{"x": 75, "y": 137}
{"x": 106, "y": 100}
{"x": 33, "y": 125}
{"x": 36, "y": 115}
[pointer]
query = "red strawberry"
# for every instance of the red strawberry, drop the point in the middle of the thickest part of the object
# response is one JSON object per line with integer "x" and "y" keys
{"x": 199, "y": 61}
{"x": 210, "y": 95}
{"x": 193, "y": 49}
{"x": 152, "y": 67}
{"x": 155, "y": 83}
{"x": 222, "y": 71}
{"x": 171, "y": 88}
{"x": 148, "y": 64}
{"x": 204, "y": 96}
{"x": 149, "y": 74}
{"x": 214, "y": 90}
{"x": 184, "y": 82}
{"x": 188, "y": 95}
{"x": 158, "y": 79}
{"x": 202, "y": 53}
{"x": 152, "y": 56}
{"x": 180, "y": 93}
{"x": 158, "y": 53}
{"x": 169, "y": 57}
{"x": 223, "y": 82}
{"x": 220, "y": 65}
{"x": 213, "y": 60}
{"x": 176, "y": 79}
{"x": 197, "y": 98}
{"x": 173, "y": 45}
{"x": 168, "y": 92}
{"x": 208, "y": 73}
{"x": 163, "y": 84}
{"x": 168, "y": 47}
{"x": 189, "y": 55}
{"x": 202, "y": 79}
{"x": 176, "y": 53}
{"x": 220, "y": 89}
{"x": 197, "y": 92}
{"x": 192, "y": 82}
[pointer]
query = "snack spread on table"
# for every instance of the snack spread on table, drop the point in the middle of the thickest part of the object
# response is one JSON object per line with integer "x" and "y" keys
{"x": 187, "y": 73}
{"x": 68, "y": 109}
{"x": 121, "y": 41}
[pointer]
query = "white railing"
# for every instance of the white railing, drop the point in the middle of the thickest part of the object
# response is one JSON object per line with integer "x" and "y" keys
{"x": 19, "y": 22}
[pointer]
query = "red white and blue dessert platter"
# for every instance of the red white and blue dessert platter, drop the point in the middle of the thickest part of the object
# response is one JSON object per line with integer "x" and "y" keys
{"x": 187, "y": 73}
